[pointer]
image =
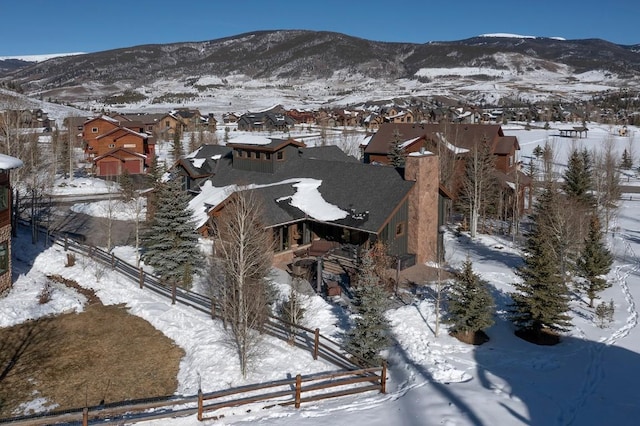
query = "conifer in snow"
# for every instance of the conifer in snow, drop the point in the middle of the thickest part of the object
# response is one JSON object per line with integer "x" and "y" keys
{"x": 171, "y": 241}
{"x": 370, "y": 333}
{"x": 541, "y": 301}
{"x": 594, "y": 262}
{"x": 470, "y": 303}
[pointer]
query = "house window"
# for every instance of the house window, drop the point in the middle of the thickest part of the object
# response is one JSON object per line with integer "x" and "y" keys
{"x": 280, "y": 155}
{"x": 511, "y": 161}
{"x": 112, "y": 145}
{"x": 267, "y": 155}
{"x": 94, "y": 130}
{"x": 4, "y": 257}
{"x": 400, "y": 229}
{"x": 4, "y": 197}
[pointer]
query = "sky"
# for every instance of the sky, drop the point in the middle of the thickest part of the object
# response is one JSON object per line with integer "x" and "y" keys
{"x": 587, "y": 379}
{"x": 67, "y": 26}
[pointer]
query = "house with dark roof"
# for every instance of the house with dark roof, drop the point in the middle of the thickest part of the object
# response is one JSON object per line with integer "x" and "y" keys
{"x": 265, "y": 121}
{"x": 320, "y": 193}
{"x": 457, "y": 139}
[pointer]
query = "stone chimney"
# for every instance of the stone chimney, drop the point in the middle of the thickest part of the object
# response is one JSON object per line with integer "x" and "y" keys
{"x": 423, "y": 169}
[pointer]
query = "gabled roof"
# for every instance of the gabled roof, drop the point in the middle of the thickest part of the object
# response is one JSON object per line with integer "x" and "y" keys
{"x": 202, "y": 162}
{"x": 122, "y": 132}
{"x": 367, "y": 194}
{"x": 120, "y": 154}
{"x": 458, "y": 135}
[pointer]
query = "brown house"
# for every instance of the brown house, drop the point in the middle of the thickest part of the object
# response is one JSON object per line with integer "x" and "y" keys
{"x": 354, "y": 204}
{"x": 7, "y": 164}
{"x": 458, "y": 139}
{"x": 115, "y": 146}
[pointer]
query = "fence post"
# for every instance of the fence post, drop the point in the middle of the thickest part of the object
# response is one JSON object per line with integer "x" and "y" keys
{"x": 113, "y": 260}
{"x": 383, "y": 378}
{"x": 298, "y": 390}
{"x": 173, "y": 293}
{"x": 316, "y": 343}
{"x": 200, "y": 405}
{"x": 85, "y": 416}
{"x": 66, "y": 243}
{"x": 213, "y": 309}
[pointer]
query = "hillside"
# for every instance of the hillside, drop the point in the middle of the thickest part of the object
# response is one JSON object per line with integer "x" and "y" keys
{"x": 309, "y": 68}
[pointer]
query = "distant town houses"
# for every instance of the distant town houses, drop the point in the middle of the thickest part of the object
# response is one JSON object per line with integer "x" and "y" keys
{"x": 114, "y": 142}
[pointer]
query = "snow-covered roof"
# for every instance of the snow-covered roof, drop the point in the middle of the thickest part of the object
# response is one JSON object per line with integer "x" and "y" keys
{"x": 450, "y": 146}
{"x": 251, "y": 140}
{"x": 307, "y": 198}
{"x": 8, "y": 162}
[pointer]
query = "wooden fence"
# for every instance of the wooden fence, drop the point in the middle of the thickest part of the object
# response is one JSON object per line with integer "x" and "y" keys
{"x": 352, "y": 380}
{"x": 297, "y": 390}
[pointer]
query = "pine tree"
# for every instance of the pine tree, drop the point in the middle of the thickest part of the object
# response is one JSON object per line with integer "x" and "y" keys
{"x": 542, "y": 298}
{"x": 578, "y": 182}
{"x": 594, "y": 262}
{"x": 370, "y": 333}
{"x": 470, "y": 303}
{"x": 396, "y": 154}
{"x": 126, "y": 186}
{"x": 171, "y": 242}
{"x": 538, "y": 151}
{"x": 627, "y": 162}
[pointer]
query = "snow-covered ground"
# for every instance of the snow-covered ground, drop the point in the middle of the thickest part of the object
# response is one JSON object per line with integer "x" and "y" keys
{"x": 588, "y": 379}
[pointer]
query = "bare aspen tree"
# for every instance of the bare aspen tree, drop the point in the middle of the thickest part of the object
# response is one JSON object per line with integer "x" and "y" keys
{"x": 244, "y": 258}
{"x": 607, "y": 182}
{"x": 136, "y": 207}
{"x": 478, "y": 181}
{"x": 110, "y": 211}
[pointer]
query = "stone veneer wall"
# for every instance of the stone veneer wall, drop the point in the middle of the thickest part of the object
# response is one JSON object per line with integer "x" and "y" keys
{"x": 423, "y": 205}
{"x": 5, "y": 279}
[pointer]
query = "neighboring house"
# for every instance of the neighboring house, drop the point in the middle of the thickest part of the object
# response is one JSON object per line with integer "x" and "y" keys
{"x": 114, "y": 146}
{"x": 265, "y": 121}
{"x": 26, "y": 118}
{"x": 7, "y": 164}
{"x": 460, "y": 139}
{"x": 167, "y": 126}
{"x": 230, "y": 118}
{"x": 372, "y": 121}
{"x": 320, "y": 193}
{"x": 404, "y": 116}
{"x": 302, "y": 116}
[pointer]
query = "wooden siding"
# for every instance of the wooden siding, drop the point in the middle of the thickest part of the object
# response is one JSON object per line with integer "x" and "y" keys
{"x": 397, "y": 244}
{"x": 247, "y": 160}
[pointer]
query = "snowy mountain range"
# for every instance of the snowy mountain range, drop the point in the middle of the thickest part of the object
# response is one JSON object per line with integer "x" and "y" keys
{"x": 299, "y": 68}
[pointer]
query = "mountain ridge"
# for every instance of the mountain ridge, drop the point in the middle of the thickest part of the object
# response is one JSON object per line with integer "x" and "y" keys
{"x": 288, "y": 58}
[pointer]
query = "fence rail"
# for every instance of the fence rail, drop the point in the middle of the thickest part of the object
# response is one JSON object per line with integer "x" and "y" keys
{"x": 339, "y": 383}
{"x": 347, "y": 382}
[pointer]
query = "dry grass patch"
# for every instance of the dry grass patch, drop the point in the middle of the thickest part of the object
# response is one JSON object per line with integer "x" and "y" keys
{"x": 103, "y": 354}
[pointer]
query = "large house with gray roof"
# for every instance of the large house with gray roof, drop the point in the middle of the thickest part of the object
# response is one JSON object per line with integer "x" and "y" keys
{"x": 320, "y": 193}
